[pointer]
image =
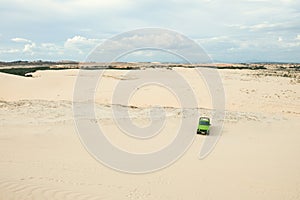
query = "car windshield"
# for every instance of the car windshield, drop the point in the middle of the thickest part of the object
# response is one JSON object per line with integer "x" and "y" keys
{"x": 204, "y": 123}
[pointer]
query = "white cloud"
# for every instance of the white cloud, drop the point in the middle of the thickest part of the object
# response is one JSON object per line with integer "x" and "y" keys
{"x": 48, "y": 10}
{"x": 5, "y": 51}
{"x": 21, "y": 40}
{"x": 256, "y": 23}
{"x": 50, "y": 46}
{"x": 29, "y": 48}
{"x": 147, "y": 40}
{"x": 80, "y": 40}
{"x": 212, "y": 39}
{"x": 257, "y": 27}
{"x": 77, "y": 47}
{"x": 264, "y": 25}
{"x": 81, "y": 44}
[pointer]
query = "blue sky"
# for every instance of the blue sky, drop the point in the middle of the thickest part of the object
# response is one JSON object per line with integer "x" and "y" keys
{"x": 228, "y": 30}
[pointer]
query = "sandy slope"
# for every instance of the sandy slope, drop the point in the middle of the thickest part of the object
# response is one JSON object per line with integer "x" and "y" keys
{"x": 256, "y": 158}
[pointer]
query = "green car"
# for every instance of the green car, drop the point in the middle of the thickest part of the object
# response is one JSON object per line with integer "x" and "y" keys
{"x": 203, "y": 126}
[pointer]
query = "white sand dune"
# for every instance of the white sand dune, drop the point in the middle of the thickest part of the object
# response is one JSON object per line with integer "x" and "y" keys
{"x": 41, "y": 156}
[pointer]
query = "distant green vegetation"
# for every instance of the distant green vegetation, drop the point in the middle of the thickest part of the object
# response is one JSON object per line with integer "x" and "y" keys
{"x": 21, "y": 68}
{"x": 25, "y": 68}
{"x": 24, "y": 71}
{"x": 244, "y": 67}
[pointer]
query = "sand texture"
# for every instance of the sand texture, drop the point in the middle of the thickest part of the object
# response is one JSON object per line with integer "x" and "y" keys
{"x": 257, "y": 156}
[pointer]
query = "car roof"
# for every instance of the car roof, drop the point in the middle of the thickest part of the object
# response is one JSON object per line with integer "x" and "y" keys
{"x": 204, "y": 118}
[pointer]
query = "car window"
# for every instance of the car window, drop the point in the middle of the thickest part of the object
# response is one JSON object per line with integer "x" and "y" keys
{"x": 204, "y": 123}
